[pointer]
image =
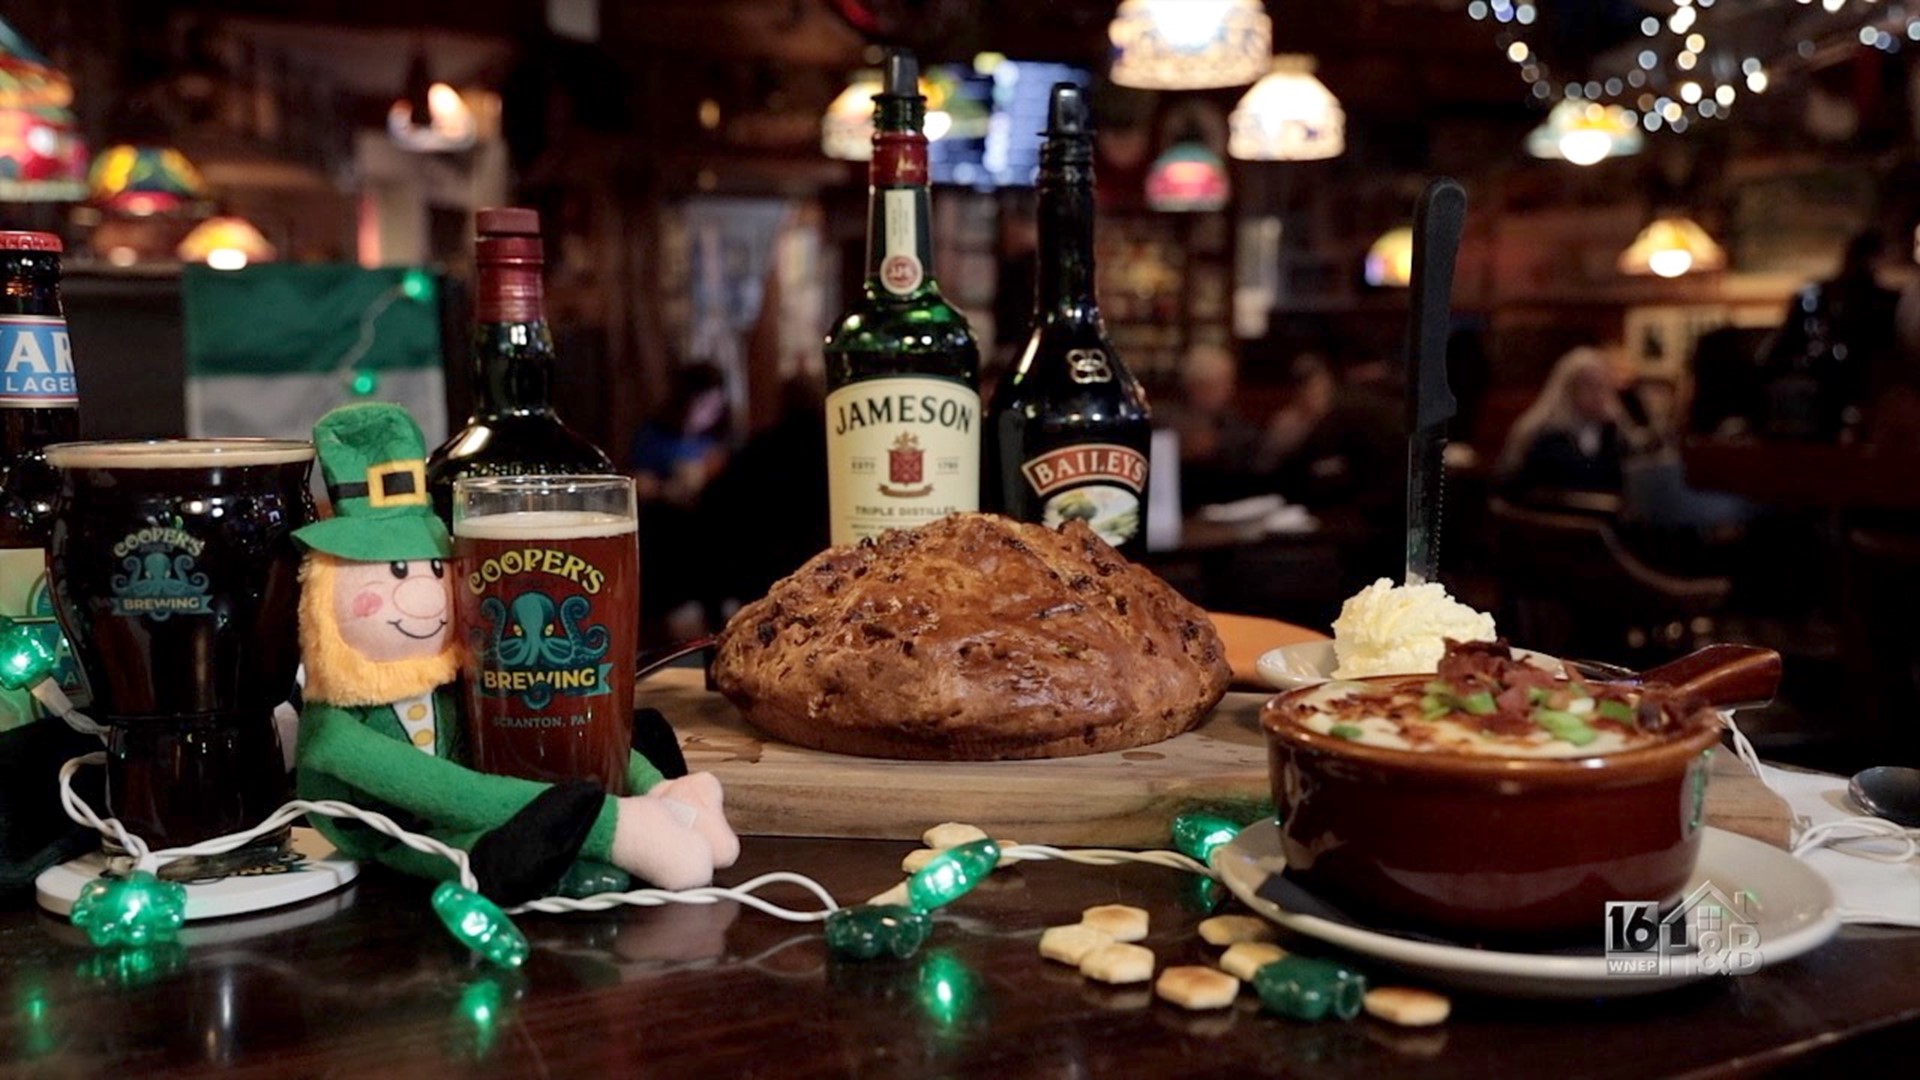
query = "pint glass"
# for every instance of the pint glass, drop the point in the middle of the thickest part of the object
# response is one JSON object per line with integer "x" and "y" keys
{"x": 547, "y": 598}
{"x": 176, "y": 579}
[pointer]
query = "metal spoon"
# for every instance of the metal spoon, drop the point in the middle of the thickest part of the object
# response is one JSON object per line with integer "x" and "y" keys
{"x": 1888, "y": 791}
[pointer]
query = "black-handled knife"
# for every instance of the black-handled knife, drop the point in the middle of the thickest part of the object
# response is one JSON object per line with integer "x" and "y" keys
{"x": 1437, "y": 222}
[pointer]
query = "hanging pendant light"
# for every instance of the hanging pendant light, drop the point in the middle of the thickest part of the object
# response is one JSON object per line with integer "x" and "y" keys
{"x": 225, "y": 243}
{"x": 1670, "y": 247}
{"x": 42, "y": 158}
{"x": 846, "y": 131}
{"x": 430, "y": 117}
{"x": 1189, "y": 44}
{"x": 1389, "y": 262}
{"x": 1288, "y": 116}
{"x": 1585, "y": 133}
{"x": 1188, "y": 179}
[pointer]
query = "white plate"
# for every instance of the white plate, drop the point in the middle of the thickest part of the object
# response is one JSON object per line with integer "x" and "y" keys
{"x": 1311, "y": 663}
{"x": 1796, "y": 913}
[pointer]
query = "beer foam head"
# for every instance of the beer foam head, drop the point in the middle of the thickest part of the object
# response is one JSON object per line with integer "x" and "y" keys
{"x": 544, "y": 525}
{"x": 178, "y": 453}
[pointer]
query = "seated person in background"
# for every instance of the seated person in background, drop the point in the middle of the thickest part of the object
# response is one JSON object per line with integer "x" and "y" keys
{"x": 675, "y": 454}
{"x": 681, "y": 447}
{"x": 1218, "y": 444}
{"x": 1339, "y": 448}
{"x": 767, "y": 512}
{"x": 1575, "y": 436}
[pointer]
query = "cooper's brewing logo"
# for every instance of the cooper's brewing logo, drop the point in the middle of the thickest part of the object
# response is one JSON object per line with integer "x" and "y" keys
{"x": 160, "y": 578}
{"x": 1088, "y": 366}
{"x": 1086, "y": 463}
{"x": 535, "y": 647}
{"x": 534, "y": 560}
{"x": 36, "y": 362}
{"x": 906, "y": 469}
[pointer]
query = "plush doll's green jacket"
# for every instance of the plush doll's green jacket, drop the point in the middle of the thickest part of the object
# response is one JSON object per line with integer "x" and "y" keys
{"x": 362, "y": 755}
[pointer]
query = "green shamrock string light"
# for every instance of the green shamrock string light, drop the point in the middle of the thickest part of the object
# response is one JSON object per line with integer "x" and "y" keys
{"x": 26, "y": 659}
{"x": 480, "y": 925}
{"x": 136, "y": 910}
{"x": 952, "y": 874}
{"x": 1304, "y": 988}
{"x": 1198, "y": 836}
{"x": 868, "y": 930}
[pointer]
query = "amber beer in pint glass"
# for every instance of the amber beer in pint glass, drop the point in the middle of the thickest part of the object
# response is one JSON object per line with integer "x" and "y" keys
{"x": 548, "y": 601}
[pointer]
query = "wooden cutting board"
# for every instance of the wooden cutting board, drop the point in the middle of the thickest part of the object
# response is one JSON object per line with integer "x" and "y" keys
{"x": 1123, "y": 799}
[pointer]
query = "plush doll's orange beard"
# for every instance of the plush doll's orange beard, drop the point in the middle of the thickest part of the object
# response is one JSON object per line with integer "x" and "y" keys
{"x": 339, "y": 674}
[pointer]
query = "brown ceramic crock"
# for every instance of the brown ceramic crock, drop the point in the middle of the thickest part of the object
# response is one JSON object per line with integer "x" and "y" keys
{"x": 1489, "y": 848}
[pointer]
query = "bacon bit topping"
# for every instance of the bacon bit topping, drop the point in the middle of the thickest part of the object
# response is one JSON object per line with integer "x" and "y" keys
{"x": 1483, "y": 687}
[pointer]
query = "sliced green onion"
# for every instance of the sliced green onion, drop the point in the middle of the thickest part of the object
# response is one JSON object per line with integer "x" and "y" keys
{"x": 1565, "y": 726}
{"x": 1439, "y": 688}
{"x": 1480, "y": 704}
{"x": 1538, "y": 695}
{"x": 1617, "y": 711}
{"x": 1345, "y": 731}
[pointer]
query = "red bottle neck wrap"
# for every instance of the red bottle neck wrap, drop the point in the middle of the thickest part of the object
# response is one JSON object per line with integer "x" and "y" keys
{"x": 509, "y": 287}
{"x": 899, "y": 158}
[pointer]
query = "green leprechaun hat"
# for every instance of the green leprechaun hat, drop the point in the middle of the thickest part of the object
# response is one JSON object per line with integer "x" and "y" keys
{"x": 373, "y": 458}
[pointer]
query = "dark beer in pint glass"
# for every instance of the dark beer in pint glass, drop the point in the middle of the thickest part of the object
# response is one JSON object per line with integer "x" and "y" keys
{"x": 547, "y": 597}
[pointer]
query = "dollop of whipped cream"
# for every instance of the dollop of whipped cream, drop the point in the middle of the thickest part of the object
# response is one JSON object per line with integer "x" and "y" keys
{"x": 1388, "y": 629}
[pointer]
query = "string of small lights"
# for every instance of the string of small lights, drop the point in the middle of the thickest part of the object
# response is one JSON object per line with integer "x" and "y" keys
{"x": 1693, "y": 64}
{"x": 139, "y": 909}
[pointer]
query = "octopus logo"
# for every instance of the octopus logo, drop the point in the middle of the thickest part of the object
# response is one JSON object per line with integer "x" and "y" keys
{"x": 535, "y": 648}
{"x": 160, "y": 578}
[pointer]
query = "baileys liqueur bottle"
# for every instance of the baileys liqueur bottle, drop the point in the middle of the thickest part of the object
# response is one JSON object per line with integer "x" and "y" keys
{"x": 903, "y": 371}
{"x": 1068, "y": 431}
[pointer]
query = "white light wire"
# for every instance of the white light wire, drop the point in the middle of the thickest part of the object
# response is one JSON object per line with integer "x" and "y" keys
{"x": 1842, "y": 834}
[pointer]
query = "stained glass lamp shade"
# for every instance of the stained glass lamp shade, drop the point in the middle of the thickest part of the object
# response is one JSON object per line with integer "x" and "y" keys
{"x": 226, "y": 243}
{"x": 1188, "y": 178}
{"x": 141, "y": 180}
{"x": 1189, "y": 44}
{"x": 1670, "y": 247}
{"x": 1585, "y": 133}
{"x": 42, "y": 158}
{"x": 846, "y": 131}
{"x": 1288, "y": 116}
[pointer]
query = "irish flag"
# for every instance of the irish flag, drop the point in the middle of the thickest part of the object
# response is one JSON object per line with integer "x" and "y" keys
{"x": 270, "y": 347}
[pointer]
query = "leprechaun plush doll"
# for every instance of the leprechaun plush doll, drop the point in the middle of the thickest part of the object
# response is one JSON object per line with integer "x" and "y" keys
{"x": 378, "y": 728}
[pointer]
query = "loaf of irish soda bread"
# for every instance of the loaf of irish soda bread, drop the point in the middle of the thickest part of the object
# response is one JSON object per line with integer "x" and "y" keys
{"x": 973, "y": 638}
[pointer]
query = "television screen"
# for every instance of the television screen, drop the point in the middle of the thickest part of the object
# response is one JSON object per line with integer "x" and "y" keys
{"x": 994, "y": 115}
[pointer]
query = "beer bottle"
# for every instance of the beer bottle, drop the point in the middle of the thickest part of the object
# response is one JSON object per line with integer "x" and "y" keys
{"x": 903, "y": 371}
{"x": 513, "y": 430}
{"x": 1068, "y": 432}
{"x": 39, "y": 404}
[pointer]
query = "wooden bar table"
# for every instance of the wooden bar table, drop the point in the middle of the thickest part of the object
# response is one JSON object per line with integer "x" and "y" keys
{"x": 365, "y": 983}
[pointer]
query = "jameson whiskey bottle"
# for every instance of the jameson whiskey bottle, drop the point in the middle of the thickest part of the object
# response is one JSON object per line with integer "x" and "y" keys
{"x": 1067, "y": 436}
{"x": 39, "y": 404}
{"x": 903, "y": 372}
{"x": 514, "y": 430}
